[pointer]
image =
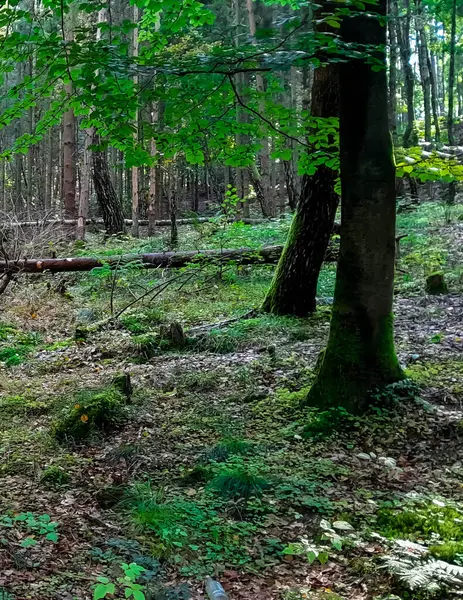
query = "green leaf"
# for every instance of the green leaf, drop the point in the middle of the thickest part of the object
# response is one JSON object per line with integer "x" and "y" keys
{"x": 337, "y": 543}
{"x": 102, "y": 590}
{"x": 27, "y": 542}
{"x": 52, "y": 537}
{"x": 311, "y": 556}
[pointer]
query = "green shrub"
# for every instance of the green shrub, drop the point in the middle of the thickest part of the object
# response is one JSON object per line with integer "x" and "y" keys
{"x": 147, "y": 344}
{"x": 228, "y": 447}
{"x": 90, "y": 411}
{"x": 238, "y": 483}
{"x": 326, "y": 422}
{"x": 54, "y": 477}
{"x": 140, "y": 322}
{"x": 17, "y": 345}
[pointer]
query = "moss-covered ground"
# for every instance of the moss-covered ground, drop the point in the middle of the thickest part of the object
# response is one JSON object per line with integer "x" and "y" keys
{"x": 209, "y": 467}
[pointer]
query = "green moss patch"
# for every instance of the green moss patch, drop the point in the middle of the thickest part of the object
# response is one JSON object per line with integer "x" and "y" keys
{"x": 422, "y": 522}
{"x": 90, "y": 411}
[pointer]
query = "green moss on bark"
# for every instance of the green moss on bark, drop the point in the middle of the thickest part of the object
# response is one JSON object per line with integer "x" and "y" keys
{"x": 279, "y": 299}
{"x": 359, "y": 358}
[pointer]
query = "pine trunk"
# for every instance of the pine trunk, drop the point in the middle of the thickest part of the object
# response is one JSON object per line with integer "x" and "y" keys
{"x": 360, "y": 355}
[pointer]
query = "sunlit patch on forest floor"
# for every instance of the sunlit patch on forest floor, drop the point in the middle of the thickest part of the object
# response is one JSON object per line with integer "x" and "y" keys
{"x": 213, "y": 467}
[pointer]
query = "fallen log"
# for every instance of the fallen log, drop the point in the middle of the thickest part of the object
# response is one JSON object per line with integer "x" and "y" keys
{"x": 167, "y": 260}
{"x": 128, "y": 222}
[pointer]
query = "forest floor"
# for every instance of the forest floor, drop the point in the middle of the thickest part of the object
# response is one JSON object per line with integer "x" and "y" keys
{"x": 210, "y": 469}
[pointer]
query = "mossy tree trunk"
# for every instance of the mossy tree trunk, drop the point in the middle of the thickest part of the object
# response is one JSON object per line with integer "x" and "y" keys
{"x": 360, "y": 355}
{"x": 294, "y": 286}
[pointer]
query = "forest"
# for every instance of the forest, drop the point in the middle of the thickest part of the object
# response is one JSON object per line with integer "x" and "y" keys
{"x": 231, "y": 299}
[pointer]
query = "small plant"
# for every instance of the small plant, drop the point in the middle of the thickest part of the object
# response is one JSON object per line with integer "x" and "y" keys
{"x": 126, "y": 584}
{"x": 147, "y": 344}
{"x": 29, "y": 523}
{"x": 311, "y": 552}
{"x": 238, "y": 483}
{"x": 325, "y": 423}
{"x": 90, "y": 411}
{"x": 15, "y": 345}
{"x": 54, "y": 476}
{"x": 225, "y": 449}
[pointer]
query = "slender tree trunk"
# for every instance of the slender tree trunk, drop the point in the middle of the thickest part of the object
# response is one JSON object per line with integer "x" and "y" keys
{"x": 69, "y": 147}
{"x": 393, "y": 73}
{"x": 172, "y": 192}
{"x": 451, "y": 95}
{"x": 84, "y": 198}
{"x": 434, "y": 93}
{"x": 360, "y": 355}
{"x": 403, "y": 38}
{"x": 110, "y": 206}
{"x": 425, "y": 74}
{"x": 294, "y": 286}
{"x": 261, "y": 178}
{"x": 135, "y": 174}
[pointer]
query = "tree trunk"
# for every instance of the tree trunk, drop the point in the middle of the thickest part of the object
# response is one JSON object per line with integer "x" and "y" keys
{"x": 69, "y": 146}
{"x": 451, "y": 95}
{"x": 261, "y": 178}
{"x": 392, "y": 74}
{"x": 106, "y": 196}
{"x": 403, "y": 38}
{"x": 84, "y": 198}
{"x": 135, "y": 181}
{"x": 360, "y": 355}
{"x": 294, "y": 286}
{"x": 425, "y": 75}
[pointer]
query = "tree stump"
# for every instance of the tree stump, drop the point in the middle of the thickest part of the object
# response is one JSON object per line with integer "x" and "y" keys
{"x": 123, "y": 384}
{"x": 174, "y": 334}
{"x": 435, "y": 284}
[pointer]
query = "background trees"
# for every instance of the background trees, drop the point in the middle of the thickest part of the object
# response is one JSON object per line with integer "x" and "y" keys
{"x": 217, "y": 96}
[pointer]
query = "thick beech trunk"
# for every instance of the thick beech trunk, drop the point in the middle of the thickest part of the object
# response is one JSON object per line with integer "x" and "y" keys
{"x": 106, "y": 196}
{"x": 294, "y": 287}
{"x": 244, "y": 256}
{"x": 360, "y": 355}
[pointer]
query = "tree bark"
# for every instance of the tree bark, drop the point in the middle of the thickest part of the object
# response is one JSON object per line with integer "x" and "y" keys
{"x": 294, "y": 286}
{"x": 403, "y": 38}
{"x": 392, "y": 73}
{"x": 69, "y": 145}
{"x": 84, "y": 198}
{"x": 135, "y": 182}
{"x": 451, "y": 95}
{"x": 106, "y": 196}
{"x": 261, "y": 178}
{"x": 360, "y": 355}
{"x": 425, "y": 74}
